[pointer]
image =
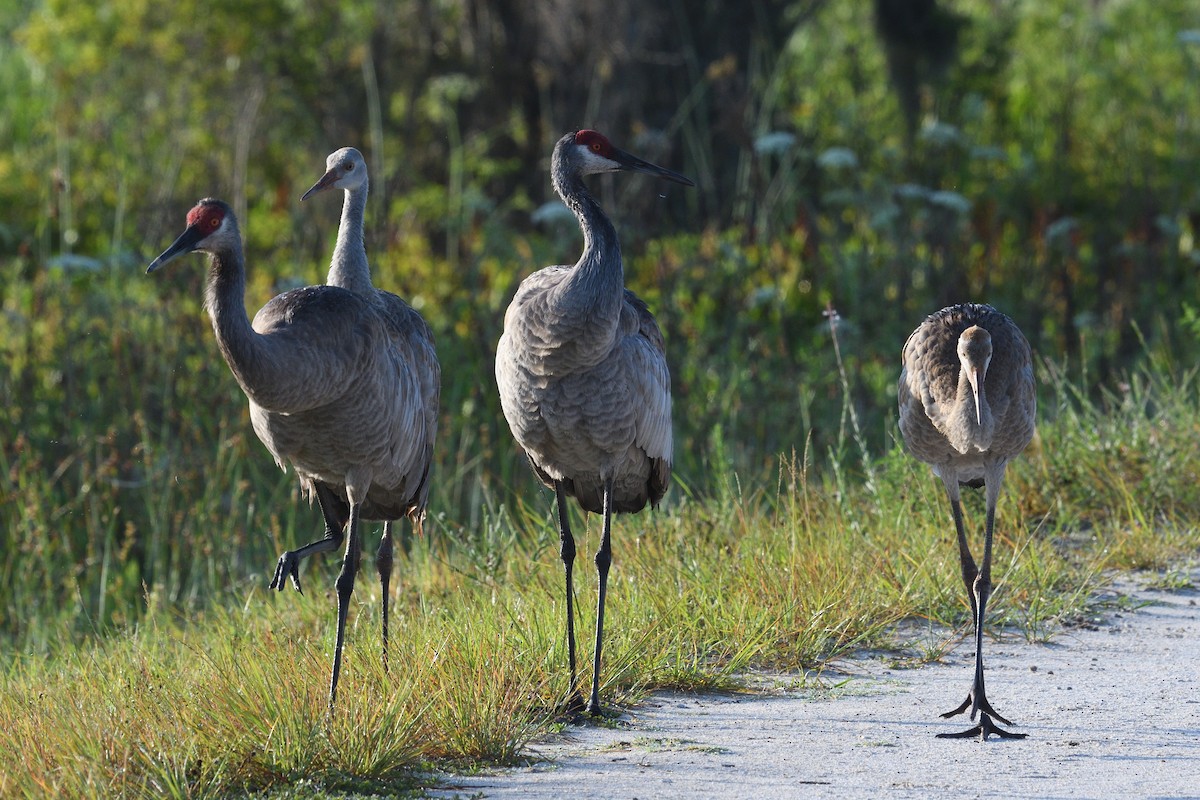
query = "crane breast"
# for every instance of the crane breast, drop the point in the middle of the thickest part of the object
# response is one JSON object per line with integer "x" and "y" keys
{"x": 610, "y": 417}
{"x": 927, "y": 391}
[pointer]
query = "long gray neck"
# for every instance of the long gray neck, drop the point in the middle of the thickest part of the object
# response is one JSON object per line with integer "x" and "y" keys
{"x": 597, "y": 283}
{"x": 965, "y": 433}
{"x": 349, "y": 268}
{"x": 225, "y": 301}
{"x": 268, "y": 377}
{"x": 280, "y": 374}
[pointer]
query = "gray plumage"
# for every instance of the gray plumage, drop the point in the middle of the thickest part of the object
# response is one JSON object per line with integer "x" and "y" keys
{"x": 412, "y": 340}
{"x": 583, "y": 376}
{"x": 333, "y": 394}
{"x": 967, "y": 406}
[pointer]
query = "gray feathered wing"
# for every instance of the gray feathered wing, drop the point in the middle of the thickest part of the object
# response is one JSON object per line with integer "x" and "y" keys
{"x": 359, "y": 397}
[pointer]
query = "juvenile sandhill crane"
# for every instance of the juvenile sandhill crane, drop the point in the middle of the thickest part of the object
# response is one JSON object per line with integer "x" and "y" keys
{"x": 330, "y": 392}
{"x": 413, "y": 340}
{"x": 967, "y": 407}
{"x": 583, "y": 376}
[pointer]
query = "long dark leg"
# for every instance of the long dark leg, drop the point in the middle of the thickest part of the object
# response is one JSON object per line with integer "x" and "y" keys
{"x": 383, "y": 563}
{"x": 567, "y": 553}
{"x": 980, "y": 592}
{"x": 969, "y": 571}
{"x": 336, "y": 511}
{"x": 603, "y": 562}
{"x": 345, "y": 587}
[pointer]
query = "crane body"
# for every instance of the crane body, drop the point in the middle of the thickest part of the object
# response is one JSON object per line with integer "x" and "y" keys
{"x": 412, "y": 342}
{"x": 583, "y": 376}
{"x": 331, "y": 394}
{"x": 968, "y": 405}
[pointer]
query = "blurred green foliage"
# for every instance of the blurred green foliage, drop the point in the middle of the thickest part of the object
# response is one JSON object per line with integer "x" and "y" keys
{"x": 1044, "y": 157}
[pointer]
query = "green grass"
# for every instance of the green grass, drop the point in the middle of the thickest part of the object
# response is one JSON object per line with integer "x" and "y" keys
{"x": 790, "y": 573}
{"x": 140, "y": 521}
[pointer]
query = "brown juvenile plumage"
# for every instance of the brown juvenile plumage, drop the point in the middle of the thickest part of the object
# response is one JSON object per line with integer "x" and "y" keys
{"x": 967, "y": 406}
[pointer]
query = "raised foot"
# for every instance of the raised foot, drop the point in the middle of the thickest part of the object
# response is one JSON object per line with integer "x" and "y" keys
{"x": 983, "y": 706}
{"x": 288, "y": 567}
{"x": 983, "y": 730}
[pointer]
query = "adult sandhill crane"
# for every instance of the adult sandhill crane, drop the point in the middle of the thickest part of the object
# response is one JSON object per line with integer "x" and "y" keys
{"x": 331, "y": 394}
{"x": 583, "y": 376}
{"x": 410, "y": 336}
{"x": 967, "y": 406}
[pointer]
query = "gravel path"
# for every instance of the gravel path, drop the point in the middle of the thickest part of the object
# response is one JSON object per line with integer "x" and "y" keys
{"x": 1111, "y": 712}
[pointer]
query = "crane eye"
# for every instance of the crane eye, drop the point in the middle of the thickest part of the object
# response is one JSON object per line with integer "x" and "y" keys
{"x": 596, "y": 147}
{"x": 213, "y": 222}
{"x": 349, "y": 166}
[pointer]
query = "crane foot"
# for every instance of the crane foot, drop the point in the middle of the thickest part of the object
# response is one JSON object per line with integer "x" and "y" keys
{"x": 954, "y": 712}
{"x": 983, "y": 730}
{"x": 288, "y": 567}
{"x": 983, "y": 706}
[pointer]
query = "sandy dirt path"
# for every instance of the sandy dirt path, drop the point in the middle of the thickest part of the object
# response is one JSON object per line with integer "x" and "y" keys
{"x": 1111, "y": 712}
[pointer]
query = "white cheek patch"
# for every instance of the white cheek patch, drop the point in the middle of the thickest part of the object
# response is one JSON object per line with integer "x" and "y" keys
{"x": 594, "y": 162}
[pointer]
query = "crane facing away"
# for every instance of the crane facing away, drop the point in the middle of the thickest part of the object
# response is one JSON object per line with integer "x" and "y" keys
{"x": 412, "y": 340}
{"x": 967, "y": 406}
{"x": 330, "y": 393}
{"x": 583, "y": 376}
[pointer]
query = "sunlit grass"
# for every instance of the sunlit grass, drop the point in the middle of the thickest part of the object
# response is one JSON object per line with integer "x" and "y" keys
{"x": 141, "y": 521}
{"x": 793, "y": 573}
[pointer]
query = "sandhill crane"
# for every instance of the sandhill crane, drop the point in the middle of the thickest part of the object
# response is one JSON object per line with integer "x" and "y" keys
{"x": 967, "y": 406}
{"x": 330, "y": 393}
{"x": 410, "y": 336}
{"x": 583, "y": 376}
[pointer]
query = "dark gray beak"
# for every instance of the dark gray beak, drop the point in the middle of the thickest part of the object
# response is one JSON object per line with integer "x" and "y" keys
{"x": 634, "y": 164}
{"x": 326, "y": 181}
{"x": 186, "y": 243}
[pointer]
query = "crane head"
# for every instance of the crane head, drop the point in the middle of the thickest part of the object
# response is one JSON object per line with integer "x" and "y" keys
{"x": 344, "y": 169}
{"x": 594, "y": 153}
{"x": 974, "y": 355}
{"x": 209, "y": 221}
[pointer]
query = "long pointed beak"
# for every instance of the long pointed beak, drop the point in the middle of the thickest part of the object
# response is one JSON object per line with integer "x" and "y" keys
{"x": 327, "y": 180}
{"x": 633, "y": 163}
{"x": 973, "y": 377}
{"x": 186, "y": 243}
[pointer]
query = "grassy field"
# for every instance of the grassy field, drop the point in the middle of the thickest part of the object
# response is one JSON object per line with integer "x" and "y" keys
{"x": 141, "y": 520}
{"x": 1043, "y": 160}
{"x": 790, "y": 569}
